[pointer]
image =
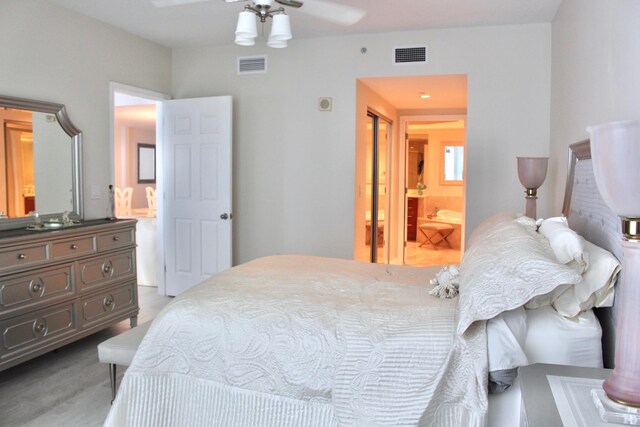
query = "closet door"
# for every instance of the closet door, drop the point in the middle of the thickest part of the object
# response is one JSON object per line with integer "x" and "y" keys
{"x": 377, "y": 213}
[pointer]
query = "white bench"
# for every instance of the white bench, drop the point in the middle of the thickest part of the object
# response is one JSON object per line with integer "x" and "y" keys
{"x": 119, "y": 350}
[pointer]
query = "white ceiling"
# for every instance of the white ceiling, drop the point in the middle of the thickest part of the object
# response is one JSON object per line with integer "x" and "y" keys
{"x": 212, "y": 22}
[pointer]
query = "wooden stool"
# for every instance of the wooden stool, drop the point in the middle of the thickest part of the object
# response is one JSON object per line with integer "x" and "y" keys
{"x": 119, "y": 350}
{"x": 435, "y": 232}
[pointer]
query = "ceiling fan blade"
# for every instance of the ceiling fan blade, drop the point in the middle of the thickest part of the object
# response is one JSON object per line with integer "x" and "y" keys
{"x": 290, "y": 3}
{"x": 333, "y": 12}
{"x": 169, "y": 3}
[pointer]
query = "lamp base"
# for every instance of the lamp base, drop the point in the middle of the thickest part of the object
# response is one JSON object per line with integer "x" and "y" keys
{"x": 613, "y": 412}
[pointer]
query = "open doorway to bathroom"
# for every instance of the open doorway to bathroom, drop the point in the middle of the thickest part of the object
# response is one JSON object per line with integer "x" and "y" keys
{"x": 425, "y": 107}
{"x": 434, "y": 195}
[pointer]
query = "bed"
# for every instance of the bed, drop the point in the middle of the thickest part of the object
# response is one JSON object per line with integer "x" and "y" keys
{"x": 310, "y": 341}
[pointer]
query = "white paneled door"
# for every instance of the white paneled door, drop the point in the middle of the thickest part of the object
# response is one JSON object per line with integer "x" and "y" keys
{"x": 197, "y": 190}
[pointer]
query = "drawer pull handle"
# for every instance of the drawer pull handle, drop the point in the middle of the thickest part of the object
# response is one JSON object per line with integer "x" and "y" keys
{"x": 74, "y": 246}
{"x": 36, "y": 287}
{"x": 108, "y": 301}
{"x": 22, "y": 256}
{"x": 39, "y": 327}
{"x": 106, "y": 269}
{"x": 116, "y": 238}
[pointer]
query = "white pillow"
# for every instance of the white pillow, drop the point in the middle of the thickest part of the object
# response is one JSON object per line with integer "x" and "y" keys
{"x": 508, "y": 264}
{"x": 567, "y": 245}
{"x": 597, "y": 286}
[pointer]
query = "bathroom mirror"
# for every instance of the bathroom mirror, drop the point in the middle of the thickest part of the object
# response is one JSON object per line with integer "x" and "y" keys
{"x": 40, "y": 162}
{"x": 452, "y": 164}
{"x": 416, "y": 162}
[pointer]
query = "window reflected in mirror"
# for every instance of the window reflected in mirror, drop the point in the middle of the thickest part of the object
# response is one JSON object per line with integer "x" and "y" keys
{"x": 452, "y": 163}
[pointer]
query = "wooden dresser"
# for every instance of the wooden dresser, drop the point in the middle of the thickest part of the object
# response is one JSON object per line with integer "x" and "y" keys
{"x": 57, "y": 286}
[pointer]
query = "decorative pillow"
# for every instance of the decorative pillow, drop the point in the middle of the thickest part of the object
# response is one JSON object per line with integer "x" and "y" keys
{"x": 597, "y": 287}
{"x": 567, "y": 245}
{"x": 487, "y": 225}
{"x": 507, "y": 264}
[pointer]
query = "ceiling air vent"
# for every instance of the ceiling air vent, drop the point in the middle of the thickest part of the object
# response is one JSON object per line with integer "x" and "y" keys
{"x": 252, "y": 64}
{"x": 410, "y": 55}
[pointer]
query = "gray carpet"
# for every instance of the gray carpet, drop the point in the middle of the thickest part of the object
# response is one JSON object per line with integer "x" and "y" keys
{"x": 68, "y": 387}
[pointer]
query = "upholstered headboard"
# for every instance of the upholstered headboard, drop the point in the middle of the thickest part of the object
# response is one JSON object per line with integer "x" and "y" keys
{"x": 589, "y": 216}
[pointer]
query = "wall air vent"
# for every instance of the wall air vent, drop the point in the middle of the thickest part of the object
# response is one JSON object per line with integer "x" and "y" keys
{"x": 252, "y": 64}
{"x": 410, "y": 55}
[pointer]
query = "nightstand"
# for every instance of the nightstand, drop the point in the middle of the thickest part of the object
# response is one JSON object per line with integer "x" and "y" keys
{"x": 538, "y": 406}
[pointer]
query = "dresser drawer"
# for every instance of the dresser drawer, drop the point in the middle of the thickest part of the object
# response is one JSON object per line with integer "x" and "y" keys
{"x": 37, "y": 287}
{"x": 24, "y": 334}
{"x": 107, "y": 269}
{"x": 105, "y": 305}
{"x": 81, "y": 245}
{"x": 116, "y": 239}
{"x": 23, "y": 256}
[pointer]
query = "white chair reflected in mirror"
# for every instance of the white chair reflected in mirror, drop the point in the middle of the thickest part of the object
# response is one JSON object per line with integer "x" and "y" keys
{"x": 151, "y": 201}
{"x": 123, "y": 201}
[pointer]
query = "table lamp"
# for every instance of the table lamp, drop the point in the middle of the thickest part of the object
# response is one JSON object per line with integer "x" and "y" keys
{"x": 532, "y": 171}
{"x": 615, "y": 153}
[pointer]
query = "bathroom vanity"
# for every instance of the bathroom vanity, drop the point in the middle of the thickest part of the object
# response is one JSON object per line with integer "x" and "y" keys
{"x": 57, "y": 286}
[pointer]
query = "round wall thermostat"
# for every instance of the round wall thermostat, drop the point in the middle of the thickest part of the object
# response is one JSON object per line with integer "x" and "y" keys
{"x": 324, "y": 104}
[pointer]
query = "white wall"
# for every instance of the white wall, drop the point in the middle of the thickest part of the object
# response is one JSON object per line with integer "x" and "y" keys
{"x": 294, "y": 166}
{"x": 596, "y": 73}
{"x": 52, "y": 54}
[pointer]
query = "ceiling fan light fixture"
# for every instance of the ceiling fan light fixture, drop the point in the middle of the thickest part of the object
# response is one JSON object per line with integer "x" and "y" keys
{"x": 277, "y": 44}
{"x": 280, "y": 28}
{"x": 247, "y": 26}
{"x": 248, "y": 41}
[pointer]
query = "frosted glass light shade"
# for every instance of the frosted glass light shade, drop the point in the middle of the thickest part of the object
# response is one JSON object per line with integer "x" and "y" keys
{"x": 532, "y": 171}
{"x": 615, "y": 151}
{"x": 245, "y": 41}
{"x": 280, "y": 28}
{"x": 277, "y": 44}
{"x": 247, "y": 26}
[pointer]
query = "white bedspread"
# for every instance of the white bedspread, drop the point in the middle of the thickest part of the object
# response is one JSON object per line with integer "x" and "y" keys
{"x": 307, "y": 341}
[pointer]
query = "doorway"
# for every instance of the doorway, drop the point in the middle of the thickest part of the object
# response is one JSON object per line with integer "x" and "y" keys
{"x": 136, "y": 172}
{"x": 403, "y": 100}
{"x": 434, "y": 195}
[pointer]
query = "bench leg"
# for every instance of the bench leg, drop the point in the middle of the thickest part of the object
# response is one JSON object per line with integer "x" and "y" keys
{"x": 112, "y": 375}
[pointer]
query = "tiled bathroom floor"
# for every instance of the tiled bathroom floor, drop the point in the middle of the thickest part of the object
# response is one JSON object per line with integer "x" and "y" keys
{"x": 427, "y": 255}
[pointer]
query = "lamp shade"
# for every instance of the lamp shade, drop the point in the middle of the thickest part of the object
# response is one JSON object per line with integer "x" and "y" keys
{"x": 532, "y": 171}
{"x": 280, "y": 28}
{"x": 615, "y": 151}
{"x": 245, "y": 41}
{"x": 247, "y": 26}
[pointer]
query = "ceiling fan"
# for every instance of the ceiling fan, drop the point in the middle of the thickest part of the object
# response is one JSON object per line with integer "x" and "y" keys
{"x": 326, "y": 10}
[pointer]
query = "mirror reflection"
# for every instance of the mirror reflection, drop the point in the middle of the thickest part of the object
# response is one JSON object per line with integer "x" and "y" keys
{"x": 416, "y": 171}
{"x": 39, "y": 167}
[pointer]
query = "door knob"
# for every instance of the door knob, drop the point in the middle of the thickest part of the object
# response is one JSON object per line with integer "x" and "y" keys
{"x": 224, "y": 216}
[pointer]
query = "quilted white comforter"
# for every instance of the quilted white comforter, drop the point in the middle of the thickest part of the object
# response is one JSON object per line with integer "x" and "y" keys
{"x": 307, "y": 341}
